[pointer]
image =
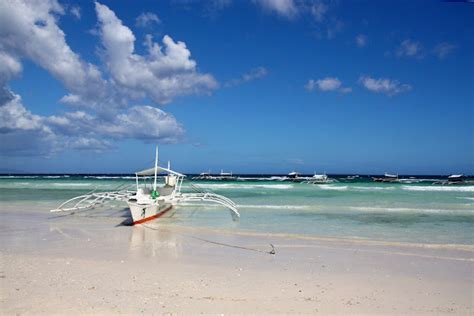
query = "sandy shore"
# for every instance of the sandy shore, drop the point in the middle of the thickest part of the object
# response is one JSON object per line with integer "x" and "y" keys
{"x": 79, "y": 265}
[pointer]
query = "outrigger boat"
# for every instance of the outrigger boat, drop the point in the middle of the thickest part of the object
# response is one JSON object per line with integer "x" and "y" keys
{"x": 293, "y": 176}
{"x": 318, "y": 179}
{"x": 149, "y": 201}
{"x": 203, "y": 176}
{"x": 456, "y": 179}
{"x": 223, "y": 176}
{"x": 387, "y": 178}
{"x": 452, "y": 179}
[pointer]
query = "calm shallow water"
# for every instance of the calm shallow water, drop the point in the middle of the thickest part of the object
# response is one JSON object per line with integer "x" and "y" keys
{"x": 418, "y": 212}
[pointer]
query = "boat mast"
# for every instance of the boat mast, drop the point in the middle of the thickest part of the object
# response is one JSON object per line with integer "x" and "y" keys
{"x": 156, "y": 168}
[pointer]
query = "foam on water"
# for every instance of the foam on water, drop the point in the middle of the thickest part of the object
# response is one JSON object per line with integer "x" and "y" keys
{"x": 408, "y": 210}
{"x": 244, "y": 186}
{"x": 332, "y": 187}
{"x": 434, "y": 188}
{"x": 372, "y": 188}
{"x": 381, "y": 211}
{"x": 285, "y": 207}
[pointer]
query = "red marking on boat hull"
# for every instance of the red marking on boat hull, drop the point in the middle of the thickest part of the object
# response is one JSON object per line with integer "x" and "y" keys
{"x": 143, "y": 220}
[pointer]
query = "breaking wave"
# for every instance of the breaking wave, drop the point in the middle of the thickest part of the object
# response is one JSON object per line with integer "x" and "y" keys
{"x": 238, "y": 186}
{"x": 332, "y": 187}
{"x": 440, "y": 188}
{"x": 405, "y": 209}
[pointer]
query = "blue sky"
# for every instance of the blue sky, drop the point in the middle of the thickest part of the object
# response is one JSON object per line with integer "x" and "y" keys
{"x": 260, "y": 86}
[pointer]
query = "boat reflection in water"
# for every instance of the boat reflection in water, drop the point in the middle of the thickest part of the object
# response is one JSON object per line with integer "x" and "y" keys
{"x": 148, "y": 241}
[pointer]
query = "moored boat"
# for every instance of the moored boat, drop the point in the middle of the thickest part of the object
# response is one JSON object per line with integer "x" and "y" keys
{"x": 150, "y": 200}
{"x": 386, "y": 178}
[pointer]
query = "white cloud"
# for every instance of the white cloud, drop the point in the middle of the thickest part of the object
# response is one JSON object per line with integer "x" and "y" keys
{"x": 409, "y": 48}
{"x": 147, "y": 19}
{"x": 361, "y": 40}
{"x": 327, "y": 24}
{"x": 21, "y": 132}
{"x": 76, "y": 12}
{"x": 24, "y": 133}
{"x": 138, "y": 122}
{"x": 319, "y": 9}
{"x": 10, "y": 68}
{"x": 285, "y": 8}
{"x": 165, "y": 73}
{"x": 327, "y": 84}
{"x": 253, "y": 74}
{"x": 384, "y": 85}
{"x": 13, "y": 116}
{"x": 29, "y": 29}
{"x": 324, "y": 23}
{"x": 444, "y": 49}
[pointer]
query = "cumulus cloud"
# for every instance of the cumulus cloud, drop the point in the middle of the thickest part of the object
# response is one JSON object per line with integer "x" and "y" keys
{"x": 29, "y": 29}
{"x": 147, "y": 19}
{"x": 384, "y": 85}
{"x": 327, "y": 84}
{"x": 444, "y": 49}
{"x": 24, "y": 133}
{"x": 284, "y": 8}
{"x": 21, "y": 132}
{"x": 10, "y": 67}
{"x": 361, "y": 40}
{"x": 409, "y": 48}
{"x": 102, "y": 113}
{"x": 138, "y": 122}
{"x": 165, "y": 73}
{"x": 253, "y": 74}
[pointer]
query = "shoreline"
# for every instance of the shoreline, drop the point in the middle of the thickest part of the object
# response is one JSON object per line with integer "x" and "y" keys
{"x": 83, "y": 265}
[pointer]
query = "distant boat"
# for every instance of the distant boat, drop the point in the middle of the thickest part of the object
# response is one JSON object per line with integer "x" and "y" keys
{"x": 456, "y": 179}
{"x": 319, "y": 178}
{"x": 226, "y": 176}
{"x": 203, "y": 176}
{"x": 352, "y": 177}
{"x": 452, "y": 179}
{"x": 293, "y": 176}
{"x": 387, "y": 178}
{"x": 223, "y": 176}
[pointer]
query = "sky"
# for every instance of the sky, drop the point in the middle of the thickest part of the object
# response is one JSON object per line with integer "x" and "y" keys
{"x": 262, "y": 86}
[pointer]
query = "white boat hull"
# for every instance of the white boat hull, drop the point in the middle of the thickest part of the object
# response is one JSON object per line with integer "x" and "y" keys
{"x": 145, "y": 212}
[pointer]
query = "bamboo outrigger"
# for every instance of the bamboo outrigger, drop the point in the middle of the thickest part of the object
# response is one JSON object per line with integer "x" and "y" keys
{"x": 149, "y": 201}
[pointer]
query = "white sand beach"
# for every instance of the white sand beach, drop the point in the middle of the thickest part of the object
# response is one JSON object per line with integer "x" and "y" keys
{"x": 81, "y": 265}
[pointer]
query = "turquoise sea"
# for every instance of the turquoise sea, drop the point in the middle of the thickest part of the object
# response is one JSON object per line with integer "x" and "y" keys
{"x": 419, "y": 212}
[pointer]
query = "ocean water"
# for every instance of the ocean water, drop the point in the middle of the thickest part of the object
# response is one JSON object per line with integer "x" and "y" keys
{"x": 419, "y": 212}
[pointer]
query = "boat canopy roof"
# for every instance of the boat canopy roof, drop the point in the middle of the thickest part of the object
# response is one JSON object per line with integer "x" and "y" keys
{"x": 320, "y": 176}
{"x": 151, "y": 172}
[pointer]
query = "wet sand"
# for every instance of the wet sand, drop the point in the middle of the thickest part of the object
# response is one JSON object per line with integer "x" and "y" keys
{"x": 82, "y": 265}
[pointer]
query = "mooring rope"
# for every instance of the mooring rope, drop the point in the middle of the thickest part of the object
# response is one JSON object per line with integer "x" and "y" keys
{"x": 271, "y": 252}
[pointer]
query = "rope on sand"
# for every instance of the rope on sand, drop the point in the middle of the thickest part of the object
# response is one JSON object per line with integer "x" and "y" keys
{"x": 271, "y": 252}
